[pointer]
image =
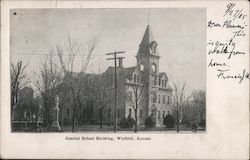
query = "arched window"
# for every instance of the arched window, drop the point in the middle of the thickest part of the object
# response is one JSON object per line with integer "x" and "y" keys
{"x": 140, "y": 114}
{"x": 134, "y": 78}
{"x": 159, "y": 114}
{"x": 153, "y": 112}
{"x": 169, "y": 99}
{"x": 141, "y": 67}
{"x": 164, "y": 99}
{"x": 68, "y": 112}
{"x": 155, "y": 80}
{"x": 138, "y": 79}
{"x": 154, "y": 97}
{"x": 129, "y": 112}
{"x": 153, "y": 46}
{"x": 163, "y": 114}
{"x": 153, "y": 68}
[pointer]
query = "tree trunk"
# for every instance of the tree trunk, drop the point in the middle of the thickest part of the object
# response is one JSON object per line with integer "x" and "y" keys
{"x": 109, "y": 117}
{"x": 73, "y": 119}
{"x": 136, "y": 108}
{"x": 136, "y": 119}
{"x": 177, "y": 117}
{"x": 12, "y": 110}
{"x": 101, "y": 118}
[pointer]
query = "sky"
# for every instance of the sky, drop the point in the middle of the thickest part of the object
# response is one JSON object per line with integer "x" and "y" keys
{"x": 179, "y": 32}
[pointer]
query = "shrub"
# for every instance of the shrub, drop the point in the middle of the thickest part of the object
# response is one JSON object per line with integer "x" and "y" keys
{"x": 131, "y": 122}
{"x": 168, "y": 121}
{"x": 124, "y": 123}
{"x": 127, "y": 122}
{"x": 150, "y": 122}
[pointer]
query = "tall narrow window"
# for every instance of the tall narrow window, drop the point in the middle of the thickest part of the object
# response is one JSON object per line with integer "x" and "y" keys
{"x": 129, "y": 94}
{"x": 154, "y": 97}
{"x": 138, "y": 79}
{"x": 68, "y": 112}
{"x": 168, "y": 99}
{"x": 159, "y": 99}
{"x": 162, "y": 83}
{"x": 164, "y": 99}
{"x": 140, "y": 114}
{"x": 163, "y": 114}
{"x": 159, "y": 114}
{"x": 130, "y": 110}
{"x": 159, "y": 81}
{"x": 155, "y": 80}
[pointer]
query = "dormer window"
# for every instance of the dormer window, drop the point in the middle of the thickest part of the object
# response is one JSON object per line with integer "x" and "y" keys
{"x": 135, "y": 78}
{"x": 142, "y": 67}
{"x": 153, "y": 46}
{"x": 153, "y": 68}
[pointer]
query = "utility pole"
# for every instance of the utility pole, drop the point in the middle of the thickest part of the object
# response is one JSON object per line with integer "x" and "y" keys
{"x": 115, "y": 59}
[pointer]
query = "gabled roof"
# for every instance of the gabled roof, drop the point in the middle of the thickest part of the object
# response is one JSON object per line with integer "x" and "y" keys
{"x": 127, "y": 72}
{"x": 161, "y": 74}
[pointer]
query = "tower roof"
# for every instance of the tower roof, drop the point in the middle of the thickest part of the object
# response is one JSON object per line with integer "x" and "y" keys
{"x": 148, "y": 36}
{"x": 146, "y": 45}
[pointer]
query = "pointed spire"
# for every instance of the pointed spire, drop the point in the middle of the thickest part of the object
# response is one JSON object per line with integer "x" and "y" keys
{"x": 147, "y": 37}
{"x": 144, "y": 47}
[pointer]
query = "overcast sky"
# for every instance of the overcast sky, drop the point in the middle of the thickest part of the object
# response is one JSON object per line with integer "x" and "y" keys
{"x": 180, "y": 34}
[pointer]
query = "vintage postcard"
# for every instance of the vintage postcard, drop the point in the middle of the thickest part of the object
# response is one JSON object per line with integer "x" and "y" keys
{"x": 126, "y": 79}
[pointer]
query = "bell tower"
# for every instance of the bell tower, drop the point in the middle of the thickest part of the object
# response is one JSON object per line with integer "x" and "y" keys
{"x": 148, "y": 63}
{"x": 148, "y": 56}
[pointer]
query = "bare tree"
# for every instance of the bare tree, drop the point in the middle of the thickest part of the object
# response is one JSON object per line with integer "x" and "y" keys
{"x": 137, "y": 98}
{"x": 103, "y": 99}
{"x": 179, "y": 100}
{"x": 48, "y": 79}
{"x": 72, "y": 80}
{"x": 19, "y": 79}
{"x": 199, "y": 104}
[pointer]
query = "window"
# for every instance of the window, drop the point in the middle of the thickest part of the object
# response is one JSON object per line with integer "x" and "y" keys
{"x": 140, "y": 114}
{"x": 159, "y": 81}
{"x": 138, "y": 79}
{"x": 163, "y": 114}
{"x": 159, "y": 114}
{"x": 165, "y": 83}
{"x": 168, "y": 99}
{"x": 155, "y": 80}
{"x": 159, "y": 99}
{"x": 153, "y": 46}
{"x": 130, "y": 94}
{"x": 154, "y": 97}
{"x": 134, "y": 78}
{"x": 130, "y": 111}
{"x": 153, "y": 67}
{"x": 153, "y": 112}
{"x": 141, "y": 67}
{"x": 162, "y": 83}
{"x": 163, "y": 99}
{"x": 68, "y": 112}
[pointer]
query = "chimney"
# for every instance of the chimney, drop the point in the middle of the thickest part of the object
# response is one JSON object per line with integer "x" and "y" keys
{"x": 120, "y": 62}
